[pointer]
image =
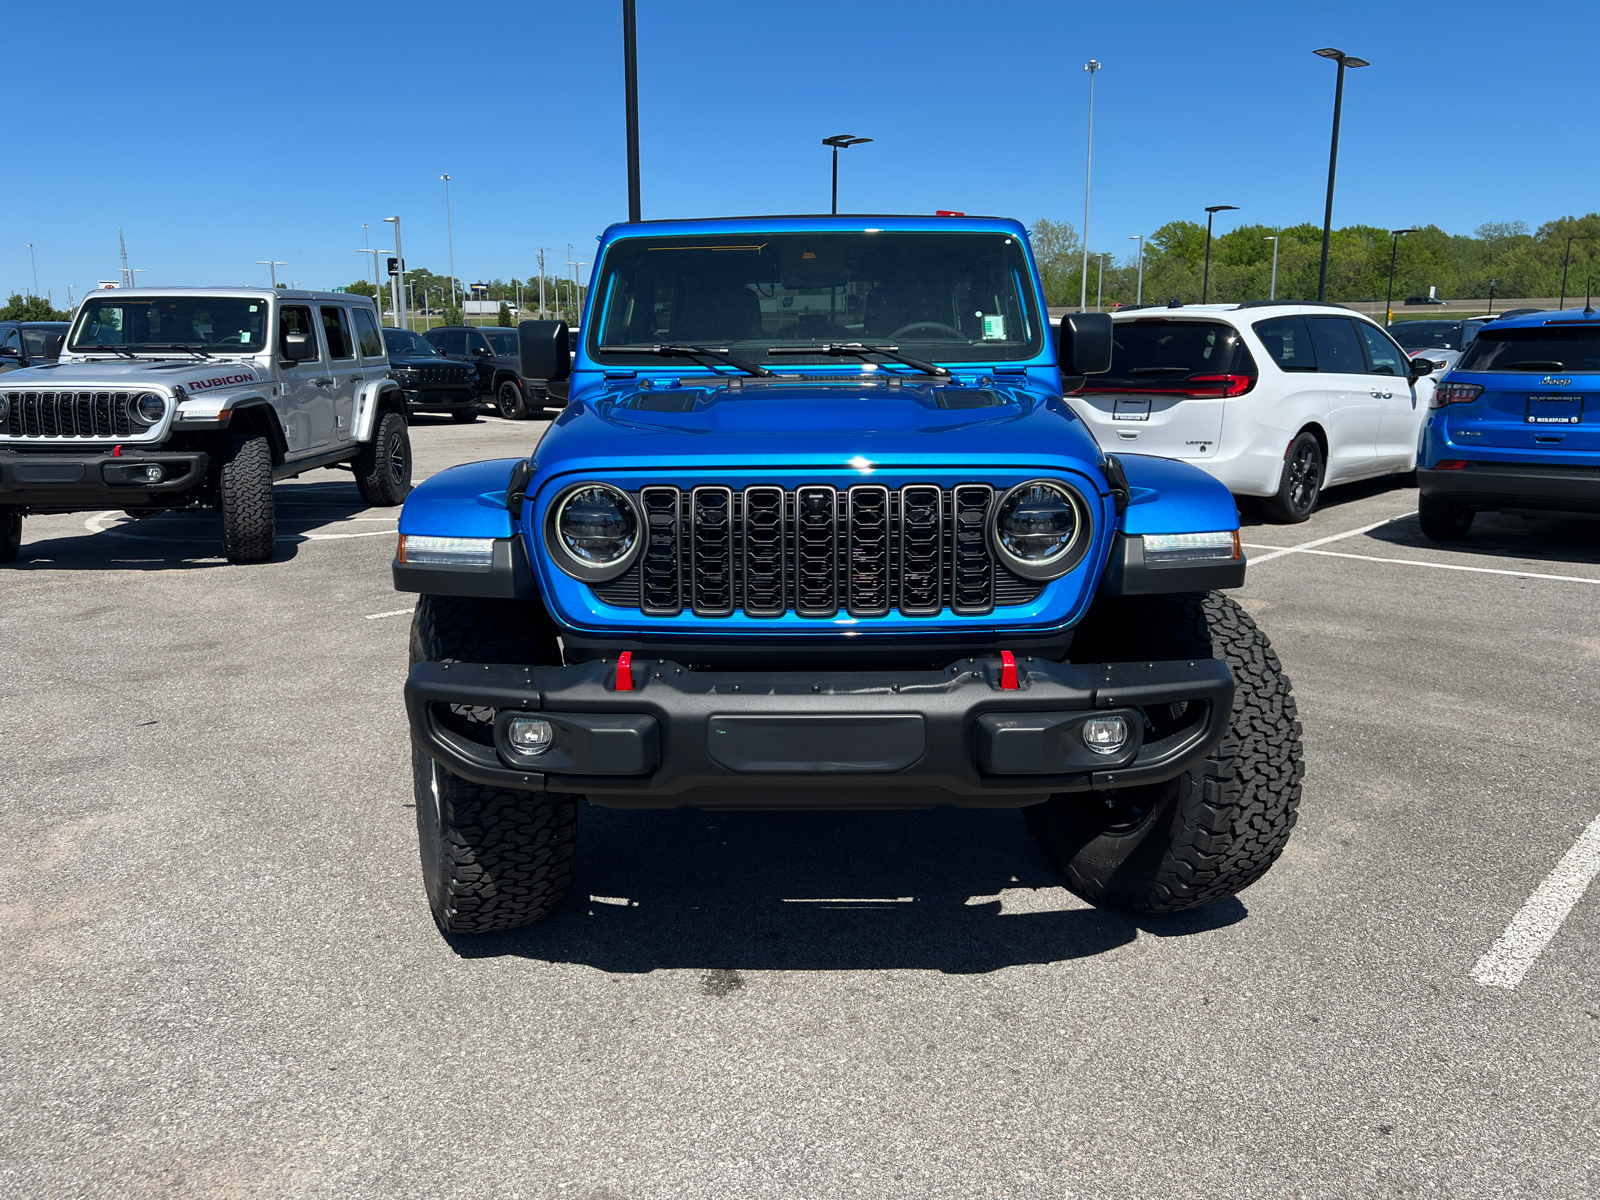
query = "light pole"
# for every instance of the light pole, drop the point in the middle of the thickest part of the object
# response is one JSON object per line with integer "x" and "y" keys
{"x": 1138, "y": 294}
{"x": 1344, "y": 60}
{"x": 35, "y": 263}
{"x": 1490, "y": 313}
{"x": 426, "y": 324}
{"x": 630, "y": 100}
{"x": 1093, "y": 68}
{"x": 450, "y": 237}
{"x": 542, "y": 249}
{"x": 840, "y": 141}
{"x": 376, "y": 281}
{"x": 1394, "y": 250}
{"x": 400, "y": 304}
{"x": 1272, "y": 291}
{"x": 1100, "y": 282}
{"x": 1211, "y": 212}
{"x": 273, "y": 267}
{"x": 1565, "y": 259}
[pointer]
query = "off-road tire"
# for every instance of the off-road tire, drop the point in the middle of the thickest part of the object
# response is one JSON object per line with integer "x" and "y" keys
{"x": 510, "y": 402}
{"x": 1443, "y": 521}
{"x": 249, "y": 516}
{"x": 1214, "y": 830}
{"x": 464, "y": 416}
{"x": 10, "y": 534}
{"x": 383, "y": 467}
{"x": 493, "y": 858}
{"x": 1300, "y": 485}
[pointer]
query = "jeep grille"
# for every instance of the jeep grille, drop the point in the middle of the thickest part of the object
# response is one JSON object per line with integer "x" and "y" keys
{"x": 69, "y": 414}
{"x": 817, "y": 551}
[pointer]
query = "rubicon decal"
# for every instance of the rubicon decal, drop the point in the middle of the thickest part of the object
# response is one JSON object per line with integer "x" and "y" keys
{"x": 200, "y": 385}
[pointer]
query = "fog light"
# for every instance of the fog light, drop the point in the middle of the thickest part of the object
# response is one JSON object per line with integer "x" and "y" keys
{"x": 153, "y": 474}
{"x": 1105, "y": 735}
{"x": 530, "y": 735}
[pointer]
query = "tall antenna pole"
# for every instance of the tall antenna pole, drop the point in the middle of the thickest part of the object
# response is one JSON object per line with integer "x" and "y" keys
{"x": 1083, "y": 292}
{"x": 542, "y": 249}
{"x": 630, "y": 91}
{"x": 127, "y": 275}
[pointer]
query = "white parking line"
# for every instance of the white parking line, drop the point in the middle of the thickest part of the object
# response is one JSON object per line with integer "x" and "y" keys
{"x": 399, "y": 612}
{"x": 1530, "y": 931}
{"x": 1412, "y": 562}
{"x": 1323, "y": 541}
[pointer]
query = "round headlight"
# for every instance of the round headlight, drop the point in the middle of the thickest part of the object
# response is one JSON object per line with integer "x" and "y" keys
{"x": 5, "y": 407}
{"x": 149, "y": 408}
{"x": 1039, "y": 529}
{"x": 597, "y": 530}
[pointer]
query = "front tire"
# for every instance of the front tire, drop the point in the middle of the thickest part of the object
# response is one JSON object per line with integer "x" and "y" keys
{"x": 383, "y": 467}
{"x": 513, "y": 405}
{"x": 249, "y": 515}
{"x": 1300, "y": 484}
{"x": 1213, "y": 831}
{"x": 1443, "y": 521}
{"x": 493, "y": 858}
{"x": 10, "y": 534}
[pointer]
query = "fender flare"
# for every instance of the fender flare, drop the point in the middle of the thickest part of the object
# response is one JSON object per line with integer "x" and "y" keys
{"x": 468, "y": 501}
{"x": 375, "y": 396}
{"x": 1169, "y": 496}
{"x": 254, "y": 409}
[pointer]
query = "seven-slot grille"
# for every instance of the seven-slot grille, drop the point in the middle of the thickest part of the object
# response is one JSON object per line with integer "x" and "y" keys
{"x": 69, "y": 414}
{"x": 455, "y": 375}
{"x": 817, "y": 551}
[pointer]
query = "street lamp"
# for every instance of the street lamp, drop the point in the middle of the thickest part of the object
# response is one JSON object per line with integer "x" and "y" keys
{"x": 1272, "y": 292}
{"x": 1567, "y": 258}
{"x": 1211, "y": 212}
{"x": 1344, "y": 60}
{"x": 1492, "y": 282}
{"x": 450, "y": 237}
{"x": 1093, "y": 68}
{"x": 377, "y": 282}
{"x": 542, "y": 249}
{"x": 1393, "y": 251}
{"x": 1138, "y": 293}
{"x": 426, "y": 292}
{"x": 400, "y": 305}
{"x": 840, "y": 141}
{"x": 1100, "y": 281}
{"x": 273, "y": 267}
{"x": 35, "y": 263}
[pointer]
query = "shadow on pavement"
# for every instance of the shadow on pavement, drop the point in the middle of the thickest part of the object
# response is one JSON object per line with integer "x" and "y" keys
{"x": 1331, "y": 500}
{"x": 1548, "y": 537}
{"x": 818, "y": 891}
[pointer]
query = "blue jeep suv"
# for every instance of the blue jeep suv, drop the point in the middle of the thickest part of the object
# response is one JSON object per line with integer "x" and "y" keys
{"x": 817, "y": 529}
{"x": 1516, "y": 424}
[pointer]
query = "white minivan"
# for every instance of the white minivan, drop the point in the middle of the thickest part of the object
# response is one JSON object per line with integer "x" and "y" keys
{"x": 1274, "y": 399}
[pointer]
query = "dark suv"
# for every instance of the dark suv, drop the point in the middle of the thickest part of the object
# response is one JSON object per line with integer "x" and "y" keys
{"x": 492, "y": 351}
{"x": 431, "y": 382}
{"x": 30, "y": 343}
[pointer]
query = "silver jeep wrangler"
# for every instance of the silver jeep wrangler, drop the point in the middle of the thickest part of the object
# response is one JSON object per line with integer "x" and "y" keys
{"x": 187, "y": 398}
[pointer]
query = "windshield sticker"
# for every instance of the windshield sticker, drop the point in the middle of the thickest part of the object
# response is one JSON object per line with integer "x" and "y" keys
{"x": 200, "y": 385}
{"x": 994, "y": 327}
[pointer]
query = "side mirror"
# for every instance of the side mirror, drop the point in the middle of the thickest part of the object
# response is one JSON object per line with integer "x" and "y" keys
{"x": 542, "y": 348}
{"x": 52, "y": 345}
{"x": 1421, "y": 367}
{"x": 1083, "y": 344}
{"x": 298, "y": 347}
{"x": 484, "y": 352}
{"x": 10, "y": 352}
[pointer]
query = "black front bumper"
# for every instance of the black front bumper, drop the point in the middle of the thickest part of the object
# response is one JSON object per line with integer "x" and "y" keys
{"x": 1545, "y": 487}
{"x": 443, "y": 398}
{"x": 767, "y": 739}
{"x": 68, "y": 482}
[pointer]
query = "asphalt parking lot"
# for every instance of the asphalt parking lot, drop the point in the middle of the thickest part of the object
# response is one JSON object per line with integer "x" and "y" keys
{"x": 221, "y": 978}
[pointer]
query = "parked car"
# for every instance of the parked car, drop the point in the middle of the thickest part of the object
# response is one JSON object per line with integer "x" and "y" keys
{"x": 431, "y": 382}
{"x": 30, "y": 343}
{"x": 1425, "y": 300}
{"x": 1441, "y": 342}
{"x": 491, "y": 351}
{"x": 1516, "y": 425}
{"x": 790, "y": 555}
{"x": 1515, "y": 312}
{"x": 196, "y": 398}
{"x": 1276, "y": 399}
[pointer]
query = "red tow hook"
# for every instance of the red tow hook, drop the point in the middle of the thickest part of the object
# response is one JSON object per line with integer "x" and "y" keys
{"x": 625, "y": 671}
{"x": 116, "y": 452}
{"x": 1008, "y": 671}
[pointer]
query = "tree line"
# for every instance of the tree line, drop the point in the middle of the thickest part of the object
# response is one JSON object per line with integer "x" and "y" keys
{"x": 1459, "y": 266}
{"x": 428, "y": 290}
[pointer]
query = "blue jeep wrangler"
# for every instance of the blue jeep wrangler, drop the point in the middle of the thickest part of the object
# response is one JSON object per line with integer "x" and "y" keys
{"x": 1516, "y": 424}
{"x": 817, "y": 530}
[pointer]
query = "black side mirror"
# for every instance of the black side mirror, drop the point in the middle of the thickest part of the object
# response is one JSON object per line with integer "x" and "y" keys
{"x": 1421, "y": 367}
{"x": 10, "y": 352}
{"x": 52, "y": 345}
{"x": 542, "y": 347}
{"x": 1083, "y": 344}
{"x": 298, "y": 347}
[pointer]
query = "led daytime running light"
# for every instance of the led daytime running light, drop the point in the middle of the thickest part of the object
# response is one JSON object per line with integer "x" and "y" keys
{"x": 425, "y": 550}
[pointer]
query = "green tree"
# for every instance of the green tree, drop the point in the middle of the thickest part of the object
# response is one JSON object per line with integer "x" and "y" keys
{"x": 452, "y": 315}
{"x": 30, "y": 308}
{"x": 361, "y": 287}
{"x": 505, "y": 315}
{"x": 1058, "y": 251}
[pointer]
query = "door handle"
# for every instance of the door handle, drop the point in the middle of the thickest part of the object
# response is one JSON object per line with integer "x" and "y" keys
{"x": 322, "y": 382}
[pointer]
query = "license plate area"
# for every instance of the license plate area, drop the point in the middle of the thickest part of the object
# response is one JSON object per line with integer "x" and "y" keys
{"x": 1554, "y": 410}
{"x": 784, "y": 744}
{"x": 1130, "y": 410}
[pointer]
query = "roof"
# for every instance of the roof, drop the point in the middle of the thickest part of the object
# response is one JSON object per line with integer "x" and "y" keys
{"x": 242, "y": 293}
{"x": 843, "y": 223}
{"x": 1551, "y": 316}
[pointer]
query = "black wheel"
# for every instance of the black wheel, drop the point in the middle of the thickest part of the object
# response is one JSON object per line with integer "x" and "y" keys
{"x": 464, "y": 416}
{"x": 493, "y": 858}
{"x": 513, "y": 405}
{"x": 10, "y": 534}
{"x": 249, "y": 518}
{"x": 1443, "y": 521}
{"x": 1209, "y": 833}
{"x": 1300, "y": 484}
{"x": 383, "y": 468}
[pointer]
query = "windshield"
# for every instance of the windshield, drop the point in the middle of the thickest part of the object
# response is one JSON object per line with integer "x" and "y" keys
{"x": 1158, "y": 355}
{"x": 502, "y": 341}
{"x": 215, "y": 323}
{"x": 954, "y": 297}
{"x": 402, "y": 343}
{"x": 1426, "y": 335}
{"x": 1543, "y": 348}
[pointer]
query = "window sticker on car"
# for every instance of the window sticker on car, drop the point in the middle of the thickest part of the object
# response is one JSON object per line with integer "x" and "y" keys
{"x": 994, "y": 327}
{"x": 1554, "y": 410}
{"x": 1131, "y": 410}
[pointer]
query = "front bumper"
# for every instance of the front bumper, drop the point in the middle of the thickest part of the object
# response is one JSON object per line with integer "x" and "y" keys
{"x": 68, "y": 481}
{"x": 832, "y": 739}
{"x": 442, "y": 398}
{"x": 1547, "y": 487}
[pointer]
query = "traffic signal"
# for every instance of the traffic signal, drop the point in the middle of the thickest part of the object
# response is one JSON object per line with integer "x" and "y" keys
{"x": 394, "y": 265}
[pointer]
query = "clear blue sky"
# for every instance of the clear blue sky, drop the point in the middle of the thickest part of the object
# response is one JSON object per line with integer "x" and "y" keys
{"x": 217, "y": 135}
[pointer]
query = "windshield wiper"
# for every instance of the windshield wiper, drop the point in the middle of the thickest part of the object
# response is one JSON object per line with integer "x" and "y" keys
{"x": 183, "y": 346}
{"x": 697, "y": 352}
{"x": 1534, "y": 364}
{"x": 862, "y": 351}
